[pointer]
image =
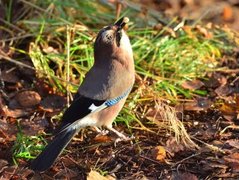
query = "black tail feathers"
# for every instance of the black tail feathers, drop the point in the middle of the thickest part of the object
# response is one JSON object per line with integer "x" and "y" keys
{"x": 52, "y": 150}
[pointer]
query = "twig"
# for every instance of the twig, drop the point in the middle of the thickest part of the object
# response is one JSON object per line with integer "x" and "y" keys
{"x": 187, "y": 158}
{"x": 68, "y": 37}
{"x": 229, "y": 127}
{"x": 17, "y": 37}
{"x": 228, "y": 70}
{"x": 211, "y": 147}
{"x": 118, "y": 8}
{"x": 157, "y": 162}
{"x": 11, "y": 25}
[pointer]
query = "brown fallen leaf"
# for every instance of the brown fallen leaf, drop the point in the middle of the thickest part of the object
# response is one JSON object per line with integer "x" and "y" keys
{"x": 184, "y": 176}
{"x": 16, "y": 113}
{"x": 2, "y": 107}
{"x": 192, "y": 85}
{"x": 8, "y": 131}
{"x": 223, "y": 90}
{"x": 28, "y": 98}
{"x": 237, "y": 101}
{"x": 93, "y": 175}
{"x": 3, "y": 163}
{"x": 173, "y": 146}
{"x": 204, "y": 31}
{"x": 9, "y": 76}
{"x": 43, "y": 88}
{"x": 233, "y": 161}
{"x": 16, "y": 172}
{"x": 233, "y": 143}
{"x": 212, "y": 82}
{"x": 153, "y": 114}
{"x": 67, "y": 173}
{"x": 228, "y": 13}
{"x": 212, "y": 165}
{"x": 53, "y": 103}
{"x": 159, "y": 153}
{"x": 32, "y": 127}
{"x": 229, "y": 117}
{"x": 102, "y": 138}
{"x": 200, "y": 104}
{"x": 230, "y": 110}
{"x": 188, "y": 30}
{"x": 8, "y": 172}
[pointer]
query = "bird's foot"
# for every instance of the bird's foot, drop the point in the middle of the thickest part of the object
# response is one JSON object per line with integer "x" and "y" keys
{"x": 101, "y": 132}
{"x": 121, "y": 137}
{"x": 124, "y": 139}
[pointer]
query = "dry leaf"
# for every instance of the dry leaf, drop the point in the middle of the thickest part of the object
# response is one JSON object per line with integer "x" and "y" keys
{"x": 16, "y": 113}
{"x": 192, "y": 85}
{"x": 8, "y": 131}
{"x": 159, "y": 153}
{"x": 233, "y": 142}
{"x": 204, "y": 31}
{"x": 184, "y": 176}
{"x": 212, "y": 82}
{"x": 188, "y": 30}
{"x": 3, "y": 163}
{"x": 173, "y": 146}
{"x": 201, "y": 104}
{"x": 8, "y": 171}
{"x": 223, "y": 90}
{"x": 67, "y": 174}
{"x": 102, "y": 138}
{"x": 229, "y": 110}
{"x": 9, "y": 76}
{"x": 233, "y": 161}
{"x": 53, "y": 103}
{"x": 93, "y": 175}
{"x": 28, "y": 98}
{"x": 34, "y": 126}
{"x": 237, "y": 101}
{"x": 227, "y": 13}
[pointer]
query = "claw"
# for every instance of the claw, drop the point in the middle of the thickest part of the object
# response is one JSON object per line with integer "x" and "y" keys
{"x": 121, "y": 137}
{"x": 101, "y": 132}
{"x": 124, "y": 139}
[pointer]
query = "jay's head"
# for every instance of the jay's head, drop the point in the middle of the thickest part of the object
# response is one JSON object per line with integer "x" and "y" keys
{"x": 112, "y": 39}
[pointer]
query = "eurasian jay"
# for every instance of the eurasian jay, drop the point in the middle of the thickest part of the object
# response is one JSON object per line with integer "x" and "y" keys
{"x": 101, "y": 95}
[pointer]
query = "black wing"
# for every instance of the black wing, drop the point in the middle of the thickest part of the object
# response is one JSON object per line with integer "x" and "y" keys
{"x": 78, "y": 109}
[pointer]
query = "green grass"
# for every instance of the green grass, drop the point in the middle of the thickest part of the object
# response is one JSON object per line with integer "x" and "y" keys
{"x": 166, "y": 60}
{"x": 169, "y": 61}
{"x": 27, "y": 147}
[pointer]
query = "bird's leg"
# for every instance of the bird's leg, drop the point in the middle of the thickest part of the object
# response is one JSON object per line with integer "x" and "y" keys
{"x": 121, "y": 137}
{"x": 119, "y": 134}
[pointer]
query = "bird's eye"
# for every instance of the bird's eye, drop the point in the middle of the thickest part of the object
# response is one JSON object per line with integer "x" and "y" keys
{"x": 109, "y": 37}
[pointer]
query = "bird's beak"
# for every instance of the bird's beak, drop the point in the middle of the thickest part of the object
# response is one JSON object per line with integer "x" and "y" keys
{"x": 120, "y": 24}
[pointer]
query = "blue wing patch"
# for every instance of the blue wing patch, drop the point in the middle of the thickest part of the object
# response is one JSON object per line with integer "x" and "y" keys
{"x": 114, "y": 101}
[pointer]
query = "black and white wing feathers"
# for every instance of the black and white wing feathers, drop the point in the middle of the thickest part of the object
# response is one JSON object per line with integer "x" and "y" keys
{"x": 80, "y": 108}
